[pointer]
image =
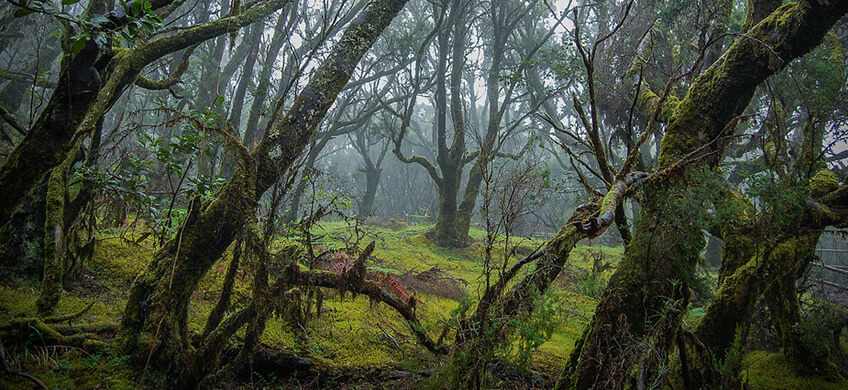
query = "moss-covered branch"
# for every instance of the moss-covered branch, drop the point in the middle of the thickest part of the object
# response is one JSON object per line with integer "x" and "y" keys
{"x": 353, "y": 281}
{"x": 155, "y": 317}
{"x": 20, "y": 330}
{"x": 650, "y": 283}
{"x": 172, "y": 79}
{"x": 723, "y": 91}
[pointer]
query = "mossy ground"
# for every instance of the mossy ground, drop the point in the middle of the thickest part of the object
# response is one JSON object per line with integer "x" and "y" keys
{"x": 769, "y": 370}
{"x": 353, "y": 340}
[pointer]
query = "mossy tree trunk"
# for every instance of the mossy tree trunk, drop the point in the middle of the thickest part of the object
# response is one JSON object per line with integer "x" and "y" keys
{"x": 451, "y": 160}
{"x": 154, "y": 322}
{"x": 488, "y": 327}
{"x": 502, "y": 26}
{"x": 70, "y": 116}
{"x": 639, "y": 313}
{"x": 64, "y": 223}
{"x": 372, "y": 181}
{"x": 765, "y": 252}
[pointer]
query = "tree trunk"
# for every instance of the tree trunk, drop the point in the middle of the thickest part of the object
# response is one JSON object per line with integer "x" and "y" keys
{"x": 254, "y": 43}
{"x": 639, "y": 314}
{"x": 372, "y": 181}
{"x": 154, "y": 322}
{"x": 447, "y": 231}
{"x": 251, "y": 131}
{"x": 73, "y": 113}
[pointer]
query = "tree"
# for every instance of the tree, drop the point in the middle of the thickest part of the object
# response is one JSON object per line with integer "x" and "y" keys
{"x": 451, "y": 32}
{"x": 645, "y": 297}
{"x": 154, "y": 322}
{"x": 61, "y": 125}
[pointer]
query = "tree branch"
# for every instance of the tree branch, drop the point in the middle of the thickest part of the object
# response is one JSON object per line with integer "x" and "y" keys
{"x": 172, "y": 79}
{"x": 10, "y": 119}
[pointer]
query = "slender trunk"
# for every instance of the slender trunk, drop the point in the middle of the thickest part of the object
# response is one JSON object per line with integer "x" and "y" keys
{"x": 251, "y": 131}
{"x": 154, "y": 322}
{"x": 372, "y": 181}
{"x": 294, "y": 205}
{"x": 241, "y": 92}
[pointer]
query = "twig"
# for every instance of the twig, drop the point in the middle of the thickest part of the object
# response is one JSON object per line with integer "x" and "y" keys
{"x": 8, "y": 370}
{"x": 834, "y": 269}
{"x": 393, "y": 340}
{"x": 831, "y": 284}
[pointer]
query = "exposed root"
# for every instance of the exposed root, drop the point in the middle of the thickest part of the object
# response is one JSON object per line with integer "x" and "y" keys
{"x": 21, "y": 330}
{"x": 4, "y": 364}
{"x": 69, "y": 317}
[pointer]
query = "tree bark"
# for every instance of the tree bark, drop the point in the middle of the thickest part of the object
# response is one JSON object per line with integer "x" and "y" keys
{"x": 69, "y": 116}
{"x": 154, "y": 322}
{"x": 648, "y": 293}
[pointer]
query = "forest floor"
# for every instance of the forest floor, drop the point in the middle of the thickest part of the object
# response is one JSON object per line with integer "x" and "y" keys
{"x": 354, "y": 343}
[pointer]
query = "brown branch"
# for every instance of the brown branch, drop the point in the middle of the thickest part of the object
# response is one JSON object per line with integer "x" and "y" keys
{"x": 8, "y": 370}
{"x": 354, "y": 282}
{"x": 10, "y": 119}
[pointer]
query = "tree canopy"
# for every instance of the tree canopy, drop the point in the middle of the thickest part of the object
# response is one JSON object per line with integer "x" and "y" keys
{"x": 220, "y": 139}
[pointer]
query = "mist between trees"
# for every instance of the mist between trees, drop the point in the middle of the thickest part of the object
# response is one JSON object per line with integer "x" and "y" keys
{"x": 218, "y": 176}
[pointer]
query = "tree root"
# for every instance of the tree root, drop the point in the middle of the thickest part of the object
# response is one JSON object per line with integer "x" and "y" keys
{"x": 69, "y": 317}
{"x": 22, "y": 330}
{"x": 4, "y": 364}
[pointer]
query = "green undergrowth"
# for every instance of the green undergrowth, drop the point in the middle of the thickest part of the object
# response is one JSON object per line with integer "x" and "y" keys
{"x": 407, "y": 249}
{"x": 770, "y": 371}
{"x": 103, "y": 283}
{"x": 353, "y": 339}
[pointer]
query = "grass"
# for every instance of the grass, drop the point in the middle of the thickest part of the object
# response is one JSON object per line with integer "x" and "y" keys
{"x": 770, "y": 371}
{"x": 352, "y": 339}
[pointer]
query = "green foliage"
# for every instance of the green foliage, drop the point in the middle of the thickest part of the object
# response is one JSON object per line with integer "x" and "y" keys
{"x": 729, "y": 366}
{"x": 589, "y": 284}
{"x": 129, "y": 183}
{"x": 142, "y": 22}
{"x": 536, "y": 328}
{"x": 783, "y": 203}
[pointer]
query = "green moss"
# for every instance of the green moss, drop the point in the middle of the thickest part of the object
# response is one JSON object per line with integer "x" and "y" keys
{"x": 823, "y": 183}
{"x": 118, "y": 262}
{"x": 767, "y": 370}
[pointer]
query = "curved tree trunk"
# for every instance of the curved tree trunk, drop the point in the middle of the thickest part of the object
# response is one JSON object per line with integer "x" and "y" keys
{"x": 648, "y": 293}
{"x": 70, "y": 115}
{"x": 372, "y": 181}
{"x": 154, "y": 322}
